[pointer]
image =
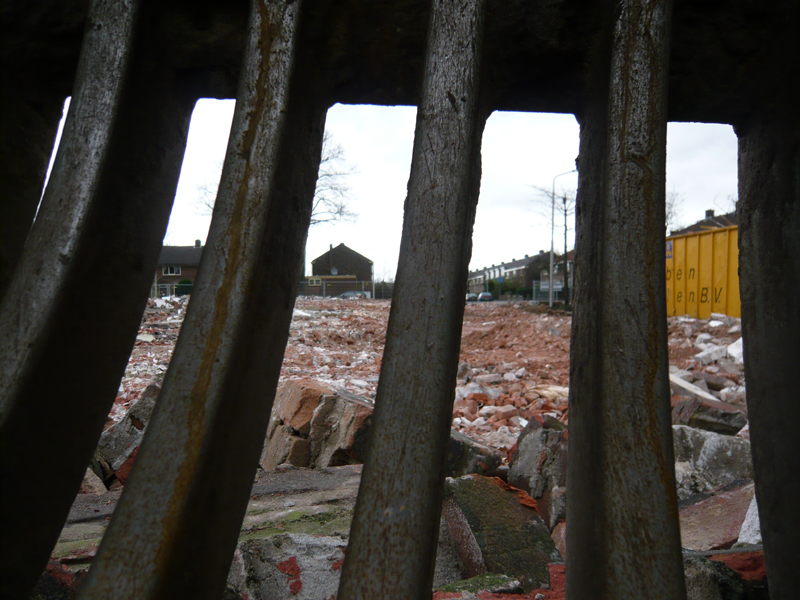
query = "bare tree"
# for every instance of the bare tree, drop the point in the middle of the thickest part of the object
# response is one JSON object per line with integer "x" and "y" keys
{"x": 331, "y": 195}
{"x": 674, "y": 202}
{"x": 332, "y": 192}
{"x": 558, "y": 208}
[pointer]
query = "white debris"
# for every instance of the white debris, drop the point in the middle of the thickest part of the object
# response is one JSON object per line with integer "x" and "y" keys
{"x": 553, "y": 392}
{"x": 487, "y": 411}
{"x": 711, "y": 354}
{"x": 688, "y": 387}
{"x": 703, "y": 338}
{"x": 736, "y": 351}
{"x": 750, "y": 533}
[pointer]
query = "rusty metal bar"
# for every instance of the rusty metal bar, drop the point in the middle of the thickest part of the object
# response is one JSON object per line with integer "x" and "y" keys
{"x": 177, "y": 524}
{"x": 623, "y": 535}
{"x": 393, "y": 537}
{"x": 64, "y": 340}
{"x": 769, "y": 264}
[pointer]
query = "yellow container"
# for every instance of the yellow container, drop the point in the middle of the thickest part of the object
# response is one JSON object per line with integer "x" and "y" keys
{"x": 703, "y": 273}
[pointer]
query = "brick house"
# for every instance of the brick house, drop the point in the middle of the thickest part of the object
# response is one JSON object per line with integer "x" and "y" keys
{"x": 176, "y": 264}
{"x": 340, "y": 269}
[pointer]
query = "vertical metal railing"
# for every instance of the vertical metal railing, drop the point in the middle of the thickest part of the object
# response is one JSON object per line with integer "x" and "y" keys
{"x": 177, "y": 524}
{"x": 769, "y": 265}
{"x": 623, "y": 534}
{"x": 393, "y": 537}
{"x": 105, "y": 210}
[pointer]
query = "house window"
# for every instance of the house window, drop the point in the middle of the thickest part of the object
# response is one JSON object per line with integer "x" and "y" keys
{"x": 175, "y": 270}
{"x": 314, "y": 282}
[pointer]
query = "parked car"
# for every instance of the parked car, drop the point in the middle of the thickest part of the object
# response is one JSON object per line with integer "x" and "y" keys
{"x": 352, "y": 295}
{"x": 472, "y": 297}
{"x": 485, "y": 297}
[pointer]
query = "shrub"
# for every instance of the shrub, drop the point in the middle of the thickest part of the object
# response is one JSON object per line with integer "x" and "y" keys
{"x": 184, "y": 287}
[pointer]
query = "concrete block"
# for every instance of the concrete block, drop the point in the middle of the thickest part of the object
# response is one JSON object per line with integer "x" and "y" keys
{"x": 294, "y": 565}
{"x": 705, "y": 460}
{"x": 750, "y": 532}
{"x": 539, "y": 466}
{"x": 711, "y": 580}
{"x": 711, "y": 415}
{"x": 736, "y": 351}
{"x": 120, "y": 440}
{"x": 713, "y": 521}
{"x": 682, "y": 387}
{"x": 92, "y": 484}
{"x": 711, "y": 355}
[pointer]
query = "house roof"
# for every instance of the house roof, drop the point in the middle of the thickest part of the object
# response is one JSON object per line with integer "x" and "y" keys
{"x": 516, "y": 264}
{"x": 341, "y": 247}
{"x": 710, "y": 222}
{"x": 523, "y": 262}
{"x": 180, "y": 255}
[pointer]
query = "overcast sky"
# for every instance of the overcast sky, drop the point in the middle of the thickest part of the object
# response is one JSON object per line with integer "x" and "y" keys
{"x": 520, "y": 152}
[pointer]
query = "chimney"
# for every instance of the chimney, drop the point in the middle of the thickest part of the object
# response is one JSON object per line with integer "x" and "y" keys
{"x": 710, "y": 214}
{"x": 197, "y": 244}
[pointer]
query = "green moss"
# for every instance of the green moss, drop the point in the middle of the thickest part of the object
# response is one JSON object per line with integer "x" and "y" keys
{"x": 489, "y": 582}
{"x": 63, "y": 549}
{"x": 332, "y": 522}
{"x": 512, "y": 537}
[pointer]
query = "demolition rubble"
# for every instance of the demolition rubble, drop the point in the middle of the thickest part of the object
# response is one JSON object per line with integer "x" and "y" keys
{"x": 503, "y": 527}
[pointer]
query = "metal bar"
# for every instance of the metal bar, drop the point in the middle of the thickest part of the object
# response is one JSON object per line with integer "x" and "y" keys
{"x": 623, "y": 535}
{"x": 64, "y": 340}
{"x": 29, "y": 125}
{"x": 177, "y": 524}
{"x": 769, "y": 263}
{"x": 393, "y": 537}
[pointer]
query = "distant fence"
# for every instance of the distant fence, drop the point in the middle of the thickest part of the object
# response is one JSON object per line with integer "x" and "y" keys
{"x": 539, "y": 293}
{"x": 328, "y": 289}
{"x": 162, "y": 290}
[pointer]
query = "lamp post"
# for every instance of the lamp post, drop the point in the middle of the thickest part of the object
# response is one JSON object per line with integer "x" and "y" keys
{"x": 553, "y": 229}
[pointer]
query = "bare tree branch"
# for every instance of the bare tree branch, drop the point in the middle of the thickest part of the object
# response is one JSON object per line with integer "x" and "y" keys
{"x": 564, "y": 208}
{"x": 332, "y": 192}
{"x": 331, "y": 196}
{"x": 674, "y": 202}
{"x": 558, "y": 206}
{"x": 728, "y": 205}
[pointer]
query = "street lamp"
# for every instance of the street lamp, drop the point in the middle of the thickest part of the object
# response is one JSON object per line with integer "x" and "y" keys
{"x": 553, "y": 229}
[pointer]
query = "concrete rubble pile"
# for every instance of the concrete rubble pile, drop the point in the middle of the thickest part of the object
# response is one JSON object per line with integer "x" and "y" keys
{"x": 510, "y": 428}
{"x": 315, "y": 426}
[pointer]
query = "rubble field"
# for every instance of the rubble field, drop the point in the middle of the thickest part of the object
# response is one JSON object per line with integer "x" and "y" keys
{"x": 514, "y": 363}
{"x": 508, "y": 449}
